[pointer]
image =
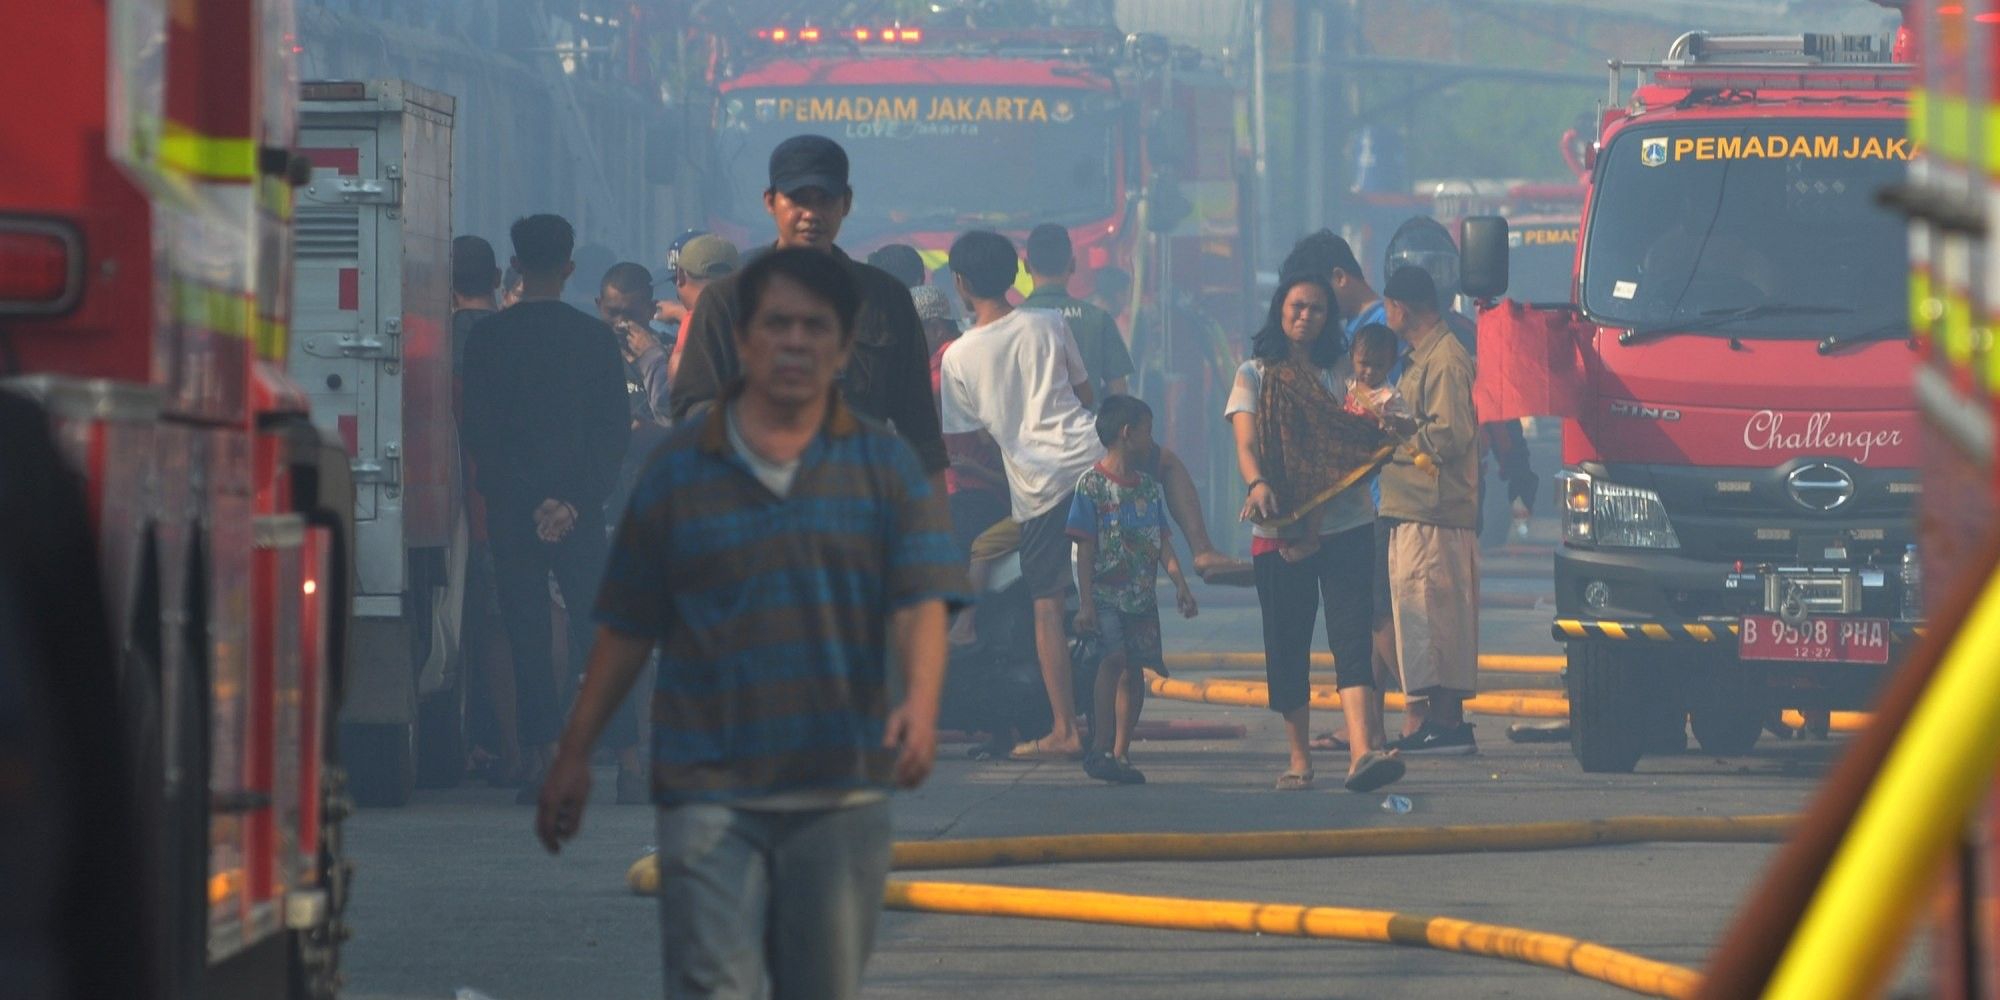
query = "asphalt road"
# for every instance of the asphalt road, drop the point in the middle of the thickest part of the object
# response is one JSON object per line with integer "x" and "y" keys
{"x": 453, "y": 893}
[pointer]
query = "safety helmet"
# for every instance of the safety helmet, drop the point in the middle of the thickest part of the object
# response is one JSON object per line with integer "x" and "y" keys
{"x": 1423, "y": 242}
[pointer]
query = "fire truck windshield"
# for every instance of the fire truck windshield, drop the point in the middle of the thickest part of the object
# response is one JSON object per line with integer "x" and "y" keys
{"x": 931, "y": 158}
{"x": 1540, "y": 256}
{"x": 1764, "y": 227}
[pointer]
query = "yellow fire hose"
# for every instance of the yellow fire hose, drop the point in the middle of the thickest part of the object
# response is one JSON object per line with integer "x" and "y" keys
{"x": 1917, "y": 808}
{"x": 1325, "y": 697}
{"x": 1552, "y": 951}
{"x": 1507, "y": 663}
{"x": 1528, "y": 704}
{"x": 992, "y": 852}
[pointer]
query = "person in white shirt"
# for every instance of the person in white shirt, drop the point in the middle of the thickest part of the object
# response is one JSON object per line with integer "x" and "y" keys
{"x": 1017, "y": 376}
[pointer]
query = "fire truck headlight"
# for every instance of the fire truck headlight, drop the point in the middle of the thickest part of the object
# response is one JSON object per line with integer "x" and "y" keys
{"x": 1629, "y": 517}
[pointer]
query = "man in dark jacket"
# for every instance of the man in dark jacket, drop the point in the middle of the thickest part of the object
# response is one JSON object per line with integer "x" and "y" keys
{"x": 546, "y": 424}
{"x": 888, "y": 376}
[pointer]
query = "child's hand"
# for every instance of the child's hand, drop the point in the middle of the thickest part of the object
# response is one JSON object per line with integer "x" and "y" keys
{"x": 1086, "y": 619}
{"x": 1186, "y": 599}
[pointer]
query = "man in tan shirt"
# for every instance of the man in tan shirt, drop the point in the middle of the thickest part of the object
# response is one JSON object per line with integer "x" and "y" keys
{"x": 1434, "y": 546}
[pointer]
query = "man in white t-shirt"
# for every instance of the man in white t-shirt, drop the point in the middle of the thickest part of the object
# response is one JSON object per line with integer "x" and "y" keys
{"x": 1017, "y": 375}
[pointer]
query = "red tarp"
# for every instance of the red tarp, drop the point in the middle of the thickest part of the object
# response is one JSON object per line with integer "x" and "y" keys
{"x": 1530, "y": 363}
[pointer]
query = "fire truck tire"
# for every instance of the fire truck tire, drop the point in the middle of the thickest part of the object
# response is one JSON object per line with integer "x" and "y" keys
{"x": 1665, "y": 710}
{"x": 1728, "y": 728}
{"x": 1606, "y": 708}
{"x": 1728, "y": 709}
{"x": 381, "y": 762}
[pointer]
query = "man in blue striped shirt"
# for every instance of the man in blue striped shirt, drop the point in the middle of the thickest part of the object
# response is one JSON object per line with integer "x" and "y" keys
{"x": 781, "y": 552}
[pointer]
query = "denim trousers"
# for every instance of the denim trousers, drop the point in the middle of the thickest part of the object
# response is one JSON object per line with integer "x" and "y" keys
{"x": 770, "y": 903}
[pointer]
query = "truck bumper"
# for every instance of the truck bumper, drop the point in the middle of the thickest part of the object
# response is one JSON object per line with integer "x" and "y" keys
{"x": 1720, "y": 631}
{"x": 1659, "y": 597}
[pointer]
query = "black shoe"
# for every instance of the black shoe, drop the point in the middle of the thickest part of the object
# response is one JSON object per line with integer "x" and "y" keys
{"x": 1434, "y": 741}
{"x": 1105, "y": 767}
{"x": 1129, "y": 775}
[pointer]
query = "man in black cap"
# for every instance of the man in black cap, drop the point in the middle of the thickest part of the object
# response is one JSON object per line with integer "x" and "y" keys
{"x": 888, "y": 376}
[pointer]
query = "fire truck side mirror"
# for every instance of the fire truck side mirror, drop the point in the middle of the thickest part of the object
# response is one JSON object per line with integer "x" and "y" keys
{"x": 1482, "y": 256}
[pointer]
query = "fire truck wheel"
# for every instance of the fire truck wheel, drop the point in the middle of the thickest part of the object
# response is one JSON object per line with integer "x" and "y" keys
{"x": 1728, "y": 728}
{"x": 1606, "y": 707}
{"x": 381, "y": 762}
{"x": 1729, "y": 707}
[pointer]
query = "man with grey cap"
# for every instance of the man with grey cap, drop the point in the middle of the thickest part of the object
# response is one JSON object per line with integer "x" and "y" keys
{"x": 808, "y": 198}
{"x": 699, "y": 263}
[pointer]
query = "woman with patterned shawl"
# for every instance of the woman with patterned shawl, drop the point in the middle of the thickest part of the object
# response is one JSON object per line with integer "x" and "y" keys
{"x": 1313, "y": 537}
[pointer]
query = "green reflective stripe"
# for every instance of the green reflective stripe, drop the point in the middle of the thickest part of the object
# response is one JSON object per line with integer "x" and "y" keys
{"x": 272, "y": 340}
{"x": 212, "y": 309}
{"x": 183, "y": 150}
{"x": 1951, "y": 139}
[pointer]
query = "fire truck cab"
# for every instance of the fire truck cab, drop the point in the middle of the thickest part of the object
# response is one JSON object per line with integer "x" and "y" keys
{"x": 1733, "y": 369}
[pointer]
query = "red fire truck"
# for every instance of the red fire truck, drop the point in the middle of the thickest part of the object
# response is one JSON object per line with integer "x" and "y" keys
{"x": 145, "y": 251}
{"x": 1953, "y": 302}
{"x": 1131, "y": 143}
{"x": 1734, "y": 372}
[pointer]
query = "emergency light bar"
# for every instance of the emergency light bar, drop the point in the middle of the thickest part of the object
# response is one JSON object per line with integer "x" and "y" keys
{"x": 1096, "y": 43}
{"x": 1699, "y": 47}
{"x": 1701, "y": 61}
{"x": 813, "y": 35}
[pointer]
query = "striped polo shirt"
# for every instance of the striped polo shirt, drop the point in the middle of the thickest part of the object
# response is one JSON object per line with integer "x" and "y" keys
{"x": 772, "y": 613}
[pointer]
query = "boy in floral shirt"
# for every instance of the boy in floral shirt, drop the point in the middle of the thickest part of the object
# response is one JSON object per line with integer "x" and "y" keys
{"x": 1119, "y": 521}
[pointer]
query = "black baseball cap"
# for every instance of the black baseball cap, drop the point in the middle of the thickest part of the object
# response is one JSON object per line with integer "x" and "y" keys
{"x": 809, "y": 161}
{"x": 1412, "y": 286}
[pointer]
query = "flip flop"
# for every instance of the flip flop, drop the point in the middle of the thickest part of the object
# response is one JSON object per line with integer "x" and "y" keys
{"x": 1034, "y": 751}
{"x": 1329, "y": 740}
{"x": 1376, "y": 770}
{"x": 1294, "y": 781}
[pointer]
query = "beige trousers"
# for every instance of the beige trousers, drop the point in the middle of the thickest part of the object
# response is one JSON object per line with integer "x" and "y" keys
{"x": 1434, "y": 588}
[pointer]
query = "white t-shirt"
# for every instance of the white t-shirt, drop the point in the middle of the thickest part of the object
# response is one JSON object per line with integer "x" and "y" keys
{"x": 1352, "y": 508}
{"x": 776, "y": 476}
{"x": 1015, "y": 379}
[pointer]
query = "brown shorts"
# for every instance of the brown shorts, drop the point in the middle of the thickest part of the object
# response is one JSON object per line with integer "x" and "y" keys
{"x": 1136, "y": 634}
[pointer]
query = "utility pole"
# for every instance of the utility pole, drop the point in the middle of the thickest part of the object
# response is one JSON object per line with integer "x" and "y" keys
{"x": 1313, "y": 108}
{"x": 1260, "y": 129}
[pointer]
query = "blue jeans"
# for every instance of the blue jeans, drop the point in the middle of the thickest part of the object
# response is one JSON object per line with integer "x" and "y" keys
{"x": 789, "y": 898}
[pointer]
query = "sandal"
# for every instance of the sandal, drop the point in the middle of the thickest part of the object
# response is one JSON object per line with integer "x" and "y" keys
{"x": 1375, "y": 770}
{"x": 1033, "y": 750}
{"x": 1329, "y": 740}
{"x": 1295, "y": 781}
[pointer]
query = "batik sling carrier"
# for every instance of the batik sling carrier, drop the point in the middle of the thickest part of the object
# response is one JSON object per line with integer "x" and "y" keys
{"x": 1309, "y": 447}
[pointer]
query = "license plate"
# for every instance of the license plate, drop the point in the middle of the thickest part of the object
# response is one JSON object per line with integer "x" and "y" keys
{"x": 1818, "y": 640}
